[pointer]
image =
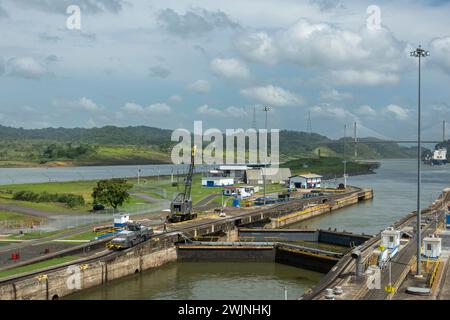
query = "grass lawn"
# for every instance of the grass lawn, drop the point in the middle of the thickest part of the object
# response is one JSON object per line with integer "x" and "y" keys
{"x": 197, "y": 192}
{"x": 37, "y": 266}
{"x": 83, "y": 188}
{"x": 18, "y": 218}
{"x": 45, "y": 206}
{"x": 35, "y": 235}
{"x": 88, "y": 235}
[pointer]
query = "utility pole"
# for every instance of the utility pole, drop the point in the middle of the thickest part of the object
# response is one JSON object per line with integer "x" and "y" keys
{"x": 254, "y": 118}
{"x": 139, "y": 175}
{"x": 308, "y": 123}
{"x": 266, "y": 110}
{"x": 345, "y": 161}
{"x": 419, "y": 53}
{"x": 443, "y": 130}
{"x": 356, "y": 139}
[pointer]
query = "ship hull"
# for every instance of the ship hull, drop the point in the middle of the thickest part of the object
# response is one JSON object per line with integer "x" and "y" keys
{"x": 438, "y": 162}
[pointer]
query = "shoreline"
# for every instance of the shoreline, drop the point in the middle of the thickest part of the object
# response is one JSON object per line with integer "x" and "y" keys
{"x": 12, "y": 164}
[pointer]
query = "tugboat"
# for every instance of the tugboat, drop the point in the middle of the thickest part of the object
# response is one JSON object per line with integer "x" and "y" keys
{"x": 438, "y": 158}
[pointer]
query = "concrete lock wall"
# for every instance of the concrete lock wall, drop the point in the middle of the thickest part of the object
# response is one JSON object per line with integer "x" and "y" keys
{"x": 341, "y": 239}
{"x": 228, "y": 255}
{"x": 314, "y": 262}
{"x": 285, "y": 235}
{"x": 58, "y": 283}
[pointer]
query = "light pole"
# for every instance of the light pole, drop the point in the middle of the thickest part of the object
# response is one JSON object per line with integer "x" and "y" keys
{"x": 266, "y": 109}
{"x": 419, "y": 53}
{"x": 345, "y": 161}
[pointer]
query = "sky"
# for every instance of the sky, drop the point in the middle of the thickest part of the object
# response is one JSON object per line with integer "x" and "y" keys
{"x": 167, "y": 63}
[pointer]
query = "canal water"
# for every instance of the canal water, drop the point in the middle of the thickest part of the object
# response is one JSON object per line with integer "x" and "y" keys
{"x": 394, "y": 187}
{"x": 395, "y": 194}
{"x": 209, "y": 281}
{"x": 60, "y": 174}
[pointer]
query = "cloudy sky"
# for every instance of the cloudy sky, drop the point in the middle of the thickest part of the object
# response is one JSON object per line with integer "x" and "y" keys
{"x": 168, "y": 63}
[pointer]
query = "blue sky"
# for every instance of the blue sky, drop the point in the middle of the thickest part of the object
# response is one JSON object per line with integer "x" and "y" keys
{"x": 168, "y": 63}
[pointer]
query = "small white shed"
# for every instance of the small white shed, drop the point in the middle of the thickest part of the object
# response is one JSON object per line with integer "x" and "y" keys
{"x": 432, "y": 247}
{"x": 390, "y": 238}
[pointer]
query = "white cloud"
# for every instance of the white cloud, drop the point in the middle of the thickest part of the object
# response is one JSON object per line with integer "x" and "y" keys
{"x": 332, "y": 112}
{"x": 60, "y": 6}
{"x": 160, "y": 108}
{"x": 156, "y": 108}
{"x": 230, "y": 111}
{"x": 334, "y": 95}
{"x": 206, "y": 110}
{"x": 176, "y": 98}
{"x": 273, "y": 96}
{"x": 321, "y": 44}
{"x": 83, "y": 103}
{"x": 88, "y": 104}
{"x": 373, "y": 55}
{"x": 133, "y": 108}
{"x": 193, "y": 23}
{"x": 258, "y": 47}
{"x": 366, "y": 110}
{"x": 363, "y": 77}
{"x": 397, "y": 111}
{"x": 440, "y": 53}
{"x": 230, "y": 68}
{"x": 26, "y": 67}
{"x": 201, "y": 86}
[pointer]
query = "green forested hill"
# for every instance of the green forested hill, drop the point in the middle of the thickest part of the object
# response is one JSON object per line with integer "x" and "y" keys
{"x": 141, "y": 144}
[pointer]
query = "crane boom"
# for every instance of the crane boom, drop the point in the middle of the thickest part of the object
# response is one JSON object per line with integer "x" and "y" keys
{"x": 181, "y": 206}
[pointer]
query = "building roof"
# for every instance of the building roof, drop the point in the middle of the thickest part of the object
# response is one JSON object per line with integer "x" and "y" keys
{"x": 233, "y": 167}
{"x": 217, "y": 178}
{"x": 309, "y": 176}
{"x": 276, "y": 174}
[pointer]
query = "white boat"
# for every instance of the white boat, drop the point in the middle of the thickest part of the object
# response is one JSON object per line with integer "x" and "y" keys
{"x": 439, "y": 156}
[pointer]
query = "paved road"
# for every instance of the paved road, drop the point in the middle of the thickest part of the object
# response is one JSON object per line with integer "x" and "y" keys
{"x": 146, "y": 197}
{"x": 398, "y": 266}
{"x": 203, "y": 204}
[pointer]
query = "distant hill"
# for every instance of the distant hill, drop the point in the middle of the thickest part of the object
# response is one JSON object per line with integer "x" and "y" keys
{"x": 142, "y": 144}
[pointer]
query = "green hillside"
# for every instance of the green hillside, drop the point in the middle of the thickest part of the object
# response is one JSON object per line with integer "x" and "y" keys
{"x": 148, "y": 145}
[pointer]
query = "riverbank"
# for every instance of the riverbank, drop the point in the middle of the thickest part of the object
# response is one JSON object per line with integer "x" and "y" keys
{"x": 331, "y": 167}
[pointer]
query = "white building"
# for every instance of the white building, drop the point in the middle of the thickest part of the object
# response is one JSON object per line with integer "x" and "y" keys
{"x": 240, "y": 192}
{"x": 237, "y": 172}
{"x": 305, "y": 181}
{"x": 217, "y": 181}
{"x": 432, "y": 247}
{"x": 272, "y": 175}
{"x": 390, "y": 238}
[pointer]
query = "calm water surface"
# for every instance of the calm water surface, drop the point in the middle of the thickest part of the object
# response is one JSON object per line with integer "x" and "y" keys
{"x": 211, "y": 280}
